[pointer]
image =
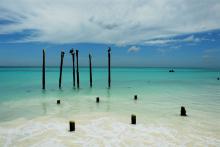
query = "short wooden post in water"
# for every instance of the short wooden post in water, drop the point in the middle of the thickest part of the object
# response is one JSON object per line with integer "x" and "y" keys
{"x": 97, "y": 99}
{"x": 77, "y": 68}
{"x": 61, "y": 69}
{"x": 43, "y": 70}
{"x": 73, "y": 60}
{"x": 72, "y": 126}
{"x": 218, "y": 78}
{"x": 133, "y": 119}
{"x": 90, "y": 69}
{"x": 183, "y": 111}
{"x": 109, "y": 67}
{"x": 135, "y": 97}
{"x": 58, "y": 101}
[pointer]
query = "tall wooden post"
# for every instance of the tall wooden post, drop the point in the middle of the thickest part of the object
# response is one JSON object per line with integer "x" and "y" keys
{"x": 90, "y": 69}
{"x": 61, "y": 69}
{"x": 77, "y": 68}
{"x": 73, "y": 58}
{"x": 109, "y": 67}
{"x": 43, "y": 70}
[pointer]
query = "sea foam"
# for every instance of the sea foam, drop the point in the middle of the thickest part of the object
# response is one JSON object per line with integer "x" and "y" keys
{"x": 103, "y": 131}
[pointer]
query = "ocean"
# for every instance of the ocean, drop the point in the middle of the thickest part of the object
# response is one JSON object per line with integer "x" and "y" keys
{"x": 29, "y": 116}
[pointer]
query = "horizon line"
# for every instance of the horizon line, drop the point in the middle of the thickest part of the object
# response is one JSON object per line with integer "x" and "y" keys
{"x": 170, "y": 67}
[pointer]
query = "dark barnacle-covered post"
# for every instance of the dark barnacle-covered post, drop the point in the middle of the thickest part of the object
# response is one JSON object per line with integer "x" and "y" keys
{"x": 61, "y": 69}
{"x": 73, "y": 60}
{"x": 43, "y": 70}
{"x": 72, "y": 126}
{"x": 133, "y": 119}
{"x": 183, "y": 111}
{"x": 77, "y": 68}
{"x": 90, "y": 69}
{"x": 109, "y": 67}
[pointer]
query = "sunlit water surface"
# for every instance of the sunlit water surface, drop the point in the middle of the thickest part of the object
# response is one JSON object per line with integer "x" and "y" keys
{"x": 30, "y": 116}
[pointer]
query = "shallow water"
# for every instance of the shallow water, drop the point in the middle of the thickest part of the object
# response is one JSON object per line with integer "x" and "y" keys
{"x": 30, "y": 116}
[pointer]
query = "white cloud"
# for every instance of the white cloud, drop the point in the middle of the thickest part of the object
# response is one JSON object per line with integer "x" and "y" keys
{"x": 168, "y": 49}
{"x": 189, "y": 39}
{"x": 133, "y": 49}
{"x": 109, "y": 21}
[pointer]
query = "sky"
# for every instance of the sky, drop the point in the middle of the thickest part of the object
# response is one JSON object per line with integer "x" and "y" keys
{"x": 141, "y": 33}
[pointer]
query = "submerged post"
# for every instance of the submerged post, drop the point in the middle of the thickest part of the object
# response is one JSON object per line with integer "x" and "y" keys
{"x": 72, "y": 126}
{"x": 73, "y": 60}
{"x": 43, "y": 70}
{"x": 58, "y": 101}
{"x": 109, "y": 67}
{"x": 90, "y": 69}
{"x": 133, "y": 119}
{"x": 183, "y": 111}
{"x": 61, "y": 68}
{"x": 77, "y": 68}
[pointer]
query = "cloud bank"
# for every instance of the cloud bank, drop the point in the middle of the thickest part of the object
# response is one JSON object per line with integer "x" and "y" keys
{"x": 119, "y": 22}
{"x": 188, "y": 39}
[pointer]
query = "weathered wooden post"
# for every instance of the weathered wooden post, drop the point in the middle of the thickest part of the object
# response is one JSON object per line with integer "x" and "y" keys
{"x": 77, "y": 68}
{"x": 72, "y": 126}
{"x": 109, "y": 67}
{"x": 43, "y": 70}
{"x": 218, "y": 78}
{"x": 90, "y": 69}
{"x": 133, "y": 119}
{"x": 97, "y": 99}
{"x": 61, "y": 68}
{"x": 183, "y": 111}
{"x": 135, "y": 97}
{"x": 73, "y": 58}
{"x": 58, "y": 102}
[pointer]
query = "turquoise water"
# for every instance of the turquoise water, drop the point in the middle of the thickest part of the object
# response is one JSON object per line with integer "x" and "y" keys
{"x": 160, "y": 96}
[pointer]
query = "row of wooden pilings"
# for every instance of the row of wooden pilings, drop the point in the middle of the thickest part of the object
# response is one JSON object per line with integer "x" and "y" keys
{"x": 133, "y": 116}
{"x": 75, "y": 79}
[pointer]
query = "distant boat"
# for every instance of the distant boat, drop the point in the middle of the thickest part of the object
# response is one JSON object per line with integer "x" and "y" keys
{"x": 171, "y": 70}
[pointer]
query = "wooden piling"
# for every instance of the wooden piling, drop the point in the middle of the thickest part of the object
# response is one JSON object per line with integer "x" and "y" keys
{"x": 109, "y": 67}
{"x": 73, "y": 60}
{"x": 97, "y": 99}
{"x": 183, "y": 111}
{"x": 61, "y": 69}
{"x": 72, "y": 126}
{"x": 43, "y": 70}
{"x": 58, "y": 101}
{"x": 90, "y": 69}
{"x": 133, "y": 119}
{"x": 77, "y": 68}
{"x": 218, "y": 78}
{"x": 135, "y": 97}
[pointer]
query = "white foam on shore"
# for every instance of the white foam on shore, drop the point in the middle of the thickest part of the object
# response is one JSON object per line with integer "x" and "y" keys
{"x": 49, "y": 143}
{"x": 103, "y": 131}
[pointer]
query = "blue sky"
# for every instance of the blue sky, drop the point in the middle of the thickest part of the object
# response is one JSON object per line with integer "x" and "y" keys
{"x": 160, "y": 33}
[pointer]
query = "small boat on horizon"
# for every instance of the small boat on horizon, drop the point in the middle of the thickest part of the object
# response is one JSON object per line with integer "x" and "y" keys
{"x": 171, "y": 70}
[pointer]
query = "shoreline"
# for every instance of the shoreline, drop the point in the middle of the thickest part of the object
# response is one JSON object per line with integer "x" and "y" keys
{"x": 99, "y": 131}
